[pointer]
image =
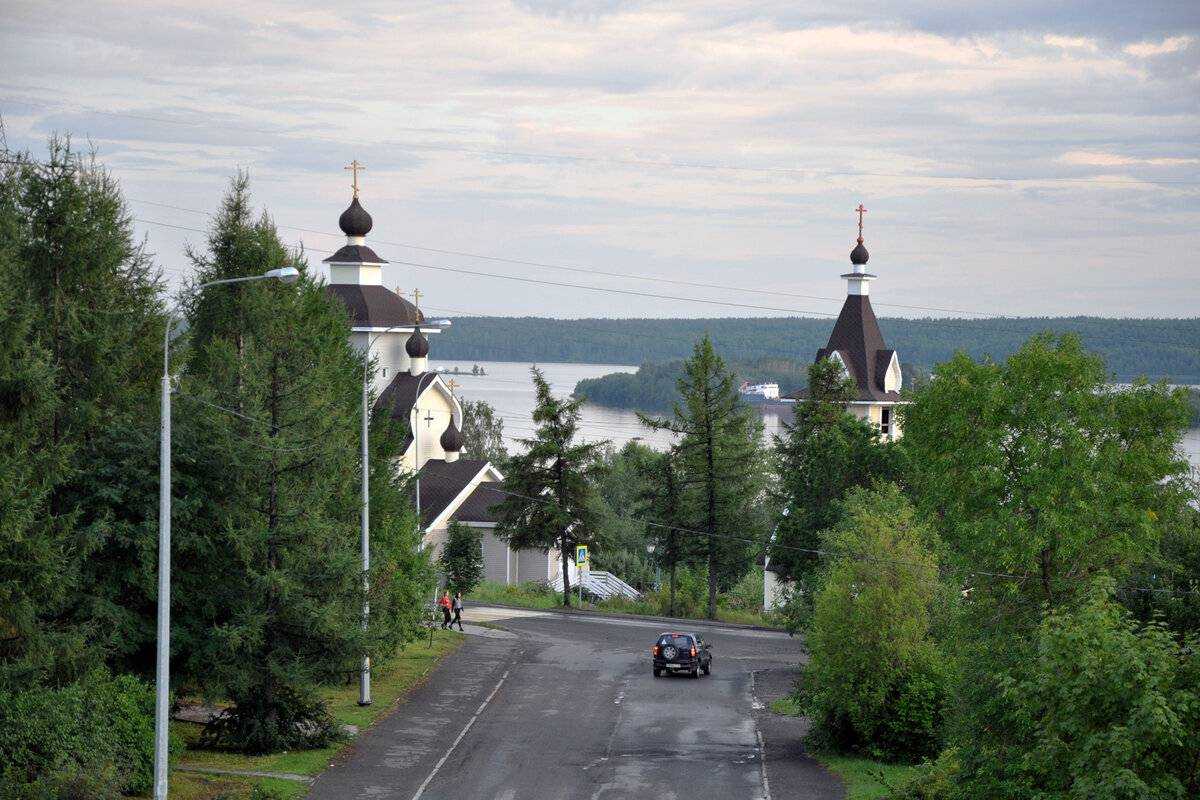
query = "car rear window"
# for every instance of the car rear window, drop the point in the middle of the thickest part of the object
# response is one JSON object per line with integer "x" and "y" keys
{"x": 678, "y": 641}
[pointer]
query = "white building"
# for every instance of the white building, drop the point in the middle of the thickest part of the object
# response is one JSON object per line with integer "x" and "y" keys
{"x": 396, "y": 333}
{"x": 767, "y": 391}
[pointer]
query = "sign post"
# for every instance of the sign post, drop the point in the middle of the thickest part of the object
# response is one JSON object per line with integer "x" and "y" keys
{"x": 581, "y": 563}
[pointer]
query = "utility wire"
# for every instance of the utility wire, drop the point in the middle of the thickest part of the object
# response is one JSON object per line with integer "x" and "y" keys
{"x": 680, "y": 298}
{"x": 828, "y": 554}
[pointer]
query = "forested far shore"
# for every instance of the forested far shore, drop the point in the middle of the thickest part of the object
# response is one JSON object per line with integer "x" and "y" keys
{"x": 1156, "y": 348}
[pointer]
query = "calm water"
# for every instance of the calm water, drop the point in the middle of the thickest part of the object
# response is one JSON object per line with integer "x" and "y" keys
{"x": 509, "y": 389}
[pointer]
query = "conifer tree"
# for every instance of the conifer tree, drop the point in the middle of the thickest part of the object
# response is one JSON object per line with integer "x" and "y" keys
{"x": 720, "y": 463}
{"x": 552, "y": 501}
{"x": 661, "y": 503}
{"x": 92, "y": 300}
{"x": 819, "y": 456}
{"x": 270, "y": 563}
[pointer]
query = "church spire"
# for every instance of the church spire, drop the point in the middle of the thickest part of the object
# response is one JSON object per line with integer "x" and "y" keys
{"x": 857, "y": 279}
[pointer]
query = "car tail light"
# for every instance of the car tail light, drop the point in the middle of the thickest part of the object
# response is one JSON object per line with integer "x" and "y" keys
{"x": 654, "y": 651}
{"x": 693, "y": 651}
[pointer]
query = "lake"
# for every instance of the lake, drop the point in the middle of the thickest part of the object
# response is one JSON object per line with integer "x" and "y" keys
{"x": 508, "y": 388}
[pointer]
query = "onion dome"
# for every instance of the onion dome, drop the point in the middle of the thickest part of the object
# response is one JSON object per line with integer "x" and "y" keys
{"x": 859, "y": 254}
{"x": 417, "y": 345}
{"x": 355, "y": 221}
{"x": 452, "y": 439}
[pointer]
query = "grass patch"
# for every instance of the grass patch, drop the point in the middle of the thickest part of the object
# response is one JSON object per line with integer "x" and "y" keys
{"x": 194, "y": 786}
{"x": 788, "y": 706}
{"x": 390, "y": 682}
{"x": 866, "y": 779}
{"x": 535, "y": 595}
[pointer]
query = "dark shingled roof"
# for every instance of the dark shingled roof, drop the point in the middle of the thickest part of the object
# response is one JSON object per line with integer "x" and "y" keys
{"x": 856, "y": 336}
{"x": 354, "y": 254}
{"x": 401, "y": 394}
{"x": 375, "y": 306}
{"x": 442, "y": 481}
{"x": 480, "y": 505}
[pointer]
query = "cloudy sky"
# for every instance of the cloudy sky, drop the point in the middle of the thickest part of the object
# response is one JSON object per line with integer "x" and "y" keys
{"x": 1015, "y": 158}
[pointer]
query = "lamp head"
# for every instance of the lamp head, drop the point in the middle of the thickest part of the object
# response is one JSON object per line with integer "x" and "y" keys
{"x": 284, "y": 274}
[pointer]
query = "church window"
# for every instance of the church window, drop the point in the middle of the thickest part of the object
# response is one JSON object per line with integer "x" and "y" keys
{"x": 885, "y": 421}
{"x": 385, "y": 372}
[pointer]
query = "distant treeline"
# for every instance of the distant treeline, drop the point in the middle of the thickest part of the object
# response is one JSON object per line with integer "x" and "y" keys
{"x": 1156, "y": 348}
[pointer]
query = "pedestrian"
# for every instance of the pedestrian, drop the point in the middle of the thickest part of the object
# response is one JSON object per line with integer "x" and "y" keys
{"x": 457, "y": 610}
{"x": 444, "y": 602}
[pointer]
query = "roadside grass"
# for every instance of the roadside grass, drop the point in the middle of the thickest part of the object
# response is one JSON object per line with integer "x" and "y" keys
{"x": 390, "y": 682}
{"x": 864, "y": 778}
{"x": 535, "y": 595}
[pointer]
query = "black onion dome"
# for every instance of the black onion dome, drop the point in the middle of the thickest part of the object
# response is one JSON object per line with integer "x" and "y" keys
{"x": 452, "y": 439}
{"x": 417, "y": 345}
{"x": 859, "y": 254}
{"x": 355, "y": 221}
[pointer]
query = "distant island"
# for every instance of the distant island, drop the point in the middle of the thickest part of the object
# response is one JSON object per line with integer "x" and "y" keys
{"x": 1157, "y": 348}
{"x": 652, "y": 387}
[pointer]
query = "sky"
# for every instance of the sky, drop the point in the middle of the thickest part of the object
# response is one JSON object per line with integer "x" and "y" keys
{"x": 1015, "y": 158}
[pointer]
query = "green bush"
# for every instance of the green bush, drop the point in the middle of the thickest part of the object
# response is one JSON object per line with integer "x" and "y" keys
{"x": 876, "y": 682}
{"x": 94, "y": 738}
{"x": 1102, "y": 707}
{"x": 746, "y": 594}
{"x": 461, "y": 559}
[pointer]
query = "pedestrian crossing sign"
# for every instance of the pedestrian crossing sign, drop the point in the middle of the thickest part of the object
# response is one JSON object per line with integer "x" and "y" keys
{"x": 581, "y": 555}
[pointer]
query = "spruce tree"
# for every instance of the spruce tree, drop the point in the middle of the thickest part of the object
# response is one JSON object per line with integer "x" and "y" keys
{"x": 720, "y": 463}
{"x": 92, "y": 299}
{"x": 552, "y": 501}
{"x": 270, "y": 570}
{"x": 661, "y": 504}
{"x": 819, "y": 456}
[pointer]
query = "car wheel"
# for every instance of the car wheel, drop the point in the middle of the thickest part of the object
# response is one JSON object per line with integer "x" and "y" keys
{"x": 657, "y": 672}
{"x": 707, "y": 668}
{"x": 696, "y": 673}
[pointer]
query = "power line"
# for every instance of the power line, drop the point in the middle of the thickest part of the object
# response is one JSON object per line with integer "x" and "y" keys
{"x": 587, "y": 270}
{"x": 680, "y": 298}
{"x": 822, "y": 553}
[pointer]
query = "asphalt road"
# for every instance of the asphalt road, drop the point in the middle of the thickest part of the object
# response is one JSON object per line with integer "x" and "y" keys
{"x": 566, "y": 707}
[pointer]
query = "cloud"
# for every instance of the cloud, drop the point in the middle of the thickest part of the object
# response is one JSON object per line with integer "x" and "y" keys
{"x": 1172, "y": 44}
{"x": 672, "y": 139}
{"x": 1071, "y": 42}
{"x": 1100, "y": 159}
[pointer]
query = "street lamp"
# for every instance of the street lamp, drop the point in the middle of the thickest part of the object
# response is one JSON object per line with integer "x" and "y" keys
{"x": 364, "y": 677}
{"x": 163, "y": 670}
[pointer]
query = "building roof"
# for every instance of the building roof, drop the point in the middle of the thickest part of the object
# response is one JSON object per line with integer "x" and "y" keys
{"x": 401, "y": 395}
{"x": 355, "y": 254}
{"x": 443, "y": 481}
{"x": 374, "y": 306}
{"x": 857, "y": 339}
{"x": 481, "y": 505}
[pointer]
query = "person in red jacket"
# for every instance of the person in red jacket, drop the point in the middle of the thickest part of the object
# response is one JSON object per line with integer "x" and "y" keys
{"x": 444, "y": 602}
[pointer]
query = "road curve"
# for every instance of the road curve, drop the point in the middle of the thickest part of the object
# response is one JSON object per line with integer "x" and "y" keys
{"x": 566, "y": 707}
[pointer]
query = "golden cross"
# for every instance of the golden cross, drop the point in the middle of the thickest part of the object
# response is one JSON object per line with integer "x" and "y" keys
{"x": 399, "y": 292}
{"x": 354, "y": 167}
{"x": 417, "y": 298}
{"x": 453, "y": 384}
{"x": 860, "y": 211}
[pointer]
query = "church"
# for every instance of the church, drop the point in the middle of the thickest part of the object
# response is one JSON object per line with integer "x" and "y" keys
{"x": 857, "y": 346}
{"x": 396, "y": 336}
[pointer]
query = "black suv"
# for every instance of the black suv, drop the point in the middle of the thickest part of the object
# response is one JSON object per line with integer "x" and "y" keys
{"x": 681, "y": 653}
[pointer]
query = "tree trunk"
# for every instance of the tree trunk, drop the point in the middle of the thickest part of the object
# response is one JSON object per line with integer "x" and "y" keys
{"x": 711, "y": 521}
{"x": 566, "y": 548}
{"x": 671, "y": 602}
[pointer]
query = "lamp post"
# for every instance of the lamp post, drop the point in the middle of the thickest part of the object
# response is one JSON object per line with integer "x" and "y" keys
{"x": 364, "y": 677}
{"x": 162, "y": 677}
